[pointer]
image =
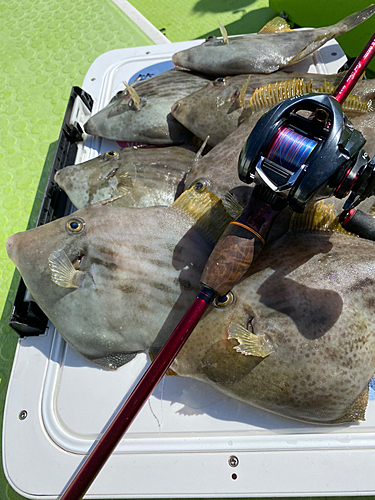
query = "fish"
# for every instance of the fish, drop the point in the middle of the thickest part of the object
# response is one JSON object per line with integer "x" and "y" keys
{"x": 141, "y": 113}
{"x": 219, "y": 107}
{"x": 366, "y": 125}
{"x": 138, "y": 177}
{"x": 115, "y": 281}
{"x": 262, "y": 52}
{"x": 296, "y": 337}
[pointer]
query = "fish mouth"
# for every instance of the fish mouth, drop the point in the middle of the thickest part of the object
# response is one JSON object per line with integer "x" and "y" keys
{"x": 90, "y": 128}
{"x": 10, "y": 247}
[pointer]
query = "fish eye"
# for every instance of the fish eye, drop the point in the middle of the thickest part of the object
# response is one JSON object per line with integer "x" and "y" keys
{"x": 75, "y": 225}
{"x": 210, "y": 37}
{"x": 121, "y": 92}
{"x": 220, "y": 81}
{"x": 111, "y": 155}
{"x": 201, "y": 184}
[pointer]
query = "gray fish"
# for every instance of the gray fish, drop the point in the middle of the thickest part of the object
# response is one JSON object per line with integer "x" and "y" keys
{"x": 140, "y": 177}
{"x": 141, "y": 113}
{"x": 116, "y": 281}
{"x": 366, "y": 125}
{"x": 298, "y": 339}
{"x": 262, "y": 52}
{"x": 219, "y": 107}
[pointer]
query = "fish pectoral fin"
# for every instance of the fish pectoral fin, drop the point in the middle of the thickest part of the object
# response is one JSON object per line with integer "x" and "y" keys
{"x": 250, "y": 344}
{"x": 63, "y": 273}
{"x": 152, "y": 353}
{"x": 127, "y": 179}
{"x": 224, "y": 33}
{"x": 232, "y": 206}
{"x": 311, "y": 47}
{"x": 276, "y": 25}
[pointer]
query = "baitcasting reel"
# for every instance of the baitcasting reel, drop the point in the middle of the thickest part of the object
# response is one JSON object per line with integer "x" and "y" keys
{"x": 305, "y": 148}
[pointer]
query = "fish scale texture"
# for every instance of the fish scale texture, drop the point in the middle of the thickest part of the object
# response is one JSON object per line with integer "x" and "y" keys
{"x": 46, "y": 47}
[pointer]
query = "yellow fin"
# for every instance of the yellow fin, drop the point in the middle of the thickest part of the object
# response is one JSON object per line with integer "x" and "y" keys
{"x": 63, "y": 272}
{"x": 250, "y": 344}
{"x": 352, "y": 102}
{"x": 205, "y": 208}
{"x": 241, "y": 96}
{"x": 133, "y": 94}
{"x": 152, "y": 353}
{"x": 317, "y": 217}
{"x": 357, "y": 410}
{"x": 276, "y": 25}
{"x": 224, "y": 33}
{"x": 232, "y": 206}
{"x": 269, "y": 95}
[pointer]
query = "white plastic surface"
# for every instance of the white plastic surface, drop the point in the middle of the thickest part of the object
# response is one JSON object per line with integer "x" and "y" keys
{"x": 180, "y": 443}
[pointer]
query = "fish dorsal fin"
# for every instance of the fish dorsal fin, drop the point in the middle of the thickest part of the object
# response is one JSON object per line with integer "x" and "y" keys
{"x": 249, "y": 343}
{"x": 224, "y": 33}
{"x": 136, "y": 102}
{"x": 317, "y": 217}
{"x": 205, "y": 208}
{"x": 269, "y": 95}
{"x": 276, "y": 25}
{"x": 198, "y": 155}
{"x": 240, "y": 99}
{"x": 232, "y": 206}
{"x": 63, "y": 273}
{"x": 352, "y": 102}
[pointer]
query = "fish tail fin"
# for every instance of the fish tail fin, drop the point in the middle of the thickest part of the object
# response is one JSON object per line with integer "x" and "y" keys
{"x": 343, "y": 26}
{"x": 249, "y": 343}
{"x": 350, "y": 22}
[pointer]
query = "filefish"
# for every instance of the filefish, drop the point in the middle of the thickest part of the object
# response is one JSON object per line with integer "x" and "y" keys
{"x": 116, "y": 281}
{"x": 297, "y": 337}
{"x": 138, "y": 177}
{"x": 141, "y": 113}
{"x": 262, "y": 52}
{"x": 219, "y": 107}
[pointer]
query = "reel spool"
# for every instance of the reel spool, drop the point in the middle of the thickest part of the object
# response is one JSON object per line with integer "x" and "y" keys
{"x": 306, "y": 148}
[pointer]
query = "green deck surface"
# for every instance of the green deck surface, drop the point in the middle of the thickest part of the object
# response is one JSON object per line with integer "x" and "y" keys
{"x": 46, "y": 47}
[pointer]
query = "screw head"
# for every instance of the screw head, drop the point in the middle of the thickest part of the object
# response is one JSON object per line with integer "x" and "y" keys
{"x": 233, "y": 461}
{"x": 22, "y": 415}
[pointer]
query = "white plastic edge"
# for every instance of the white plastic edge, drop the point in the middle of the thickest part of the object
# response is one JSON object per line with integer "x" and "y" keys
{"x": 145, "y": 25}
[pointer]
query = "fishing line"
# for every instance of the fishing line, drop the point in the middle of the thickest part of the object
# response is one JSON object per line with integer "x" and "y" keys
{"x": 290, "y": 149}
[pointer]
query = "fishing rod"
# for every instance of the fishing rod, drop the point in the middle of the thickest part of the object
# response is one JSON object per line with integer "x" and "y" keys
{"x": 303, "y": 149}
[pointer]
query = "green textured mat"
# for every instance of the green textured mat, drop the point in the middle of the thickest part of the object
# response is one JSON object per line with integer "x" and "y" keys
{"x": 46, "y": 47}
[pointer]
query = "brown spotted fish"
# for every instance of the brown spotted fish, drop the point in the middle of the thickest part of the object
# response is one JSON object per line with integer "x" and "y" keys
{"x": 262, "y": 52}
{"x": 141, "y": 113}
{"x": 115, "y": 281}
{"x": 219, "y": 107}
{"x": 296, "y": 337}
{"x": 138, "y": 177}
